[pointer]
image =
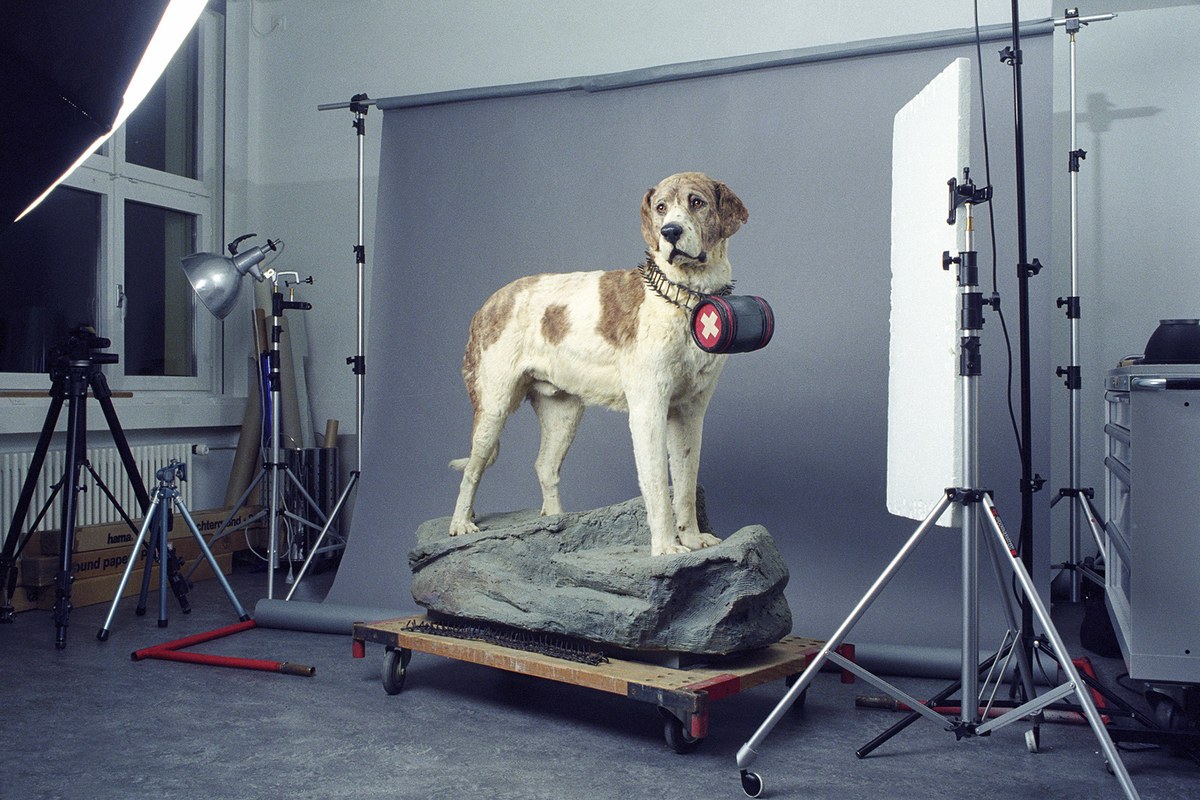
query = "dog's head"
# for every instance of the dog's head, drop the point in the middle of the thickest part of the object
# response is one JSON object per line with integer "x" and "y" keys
{"x": 687, "y": 218}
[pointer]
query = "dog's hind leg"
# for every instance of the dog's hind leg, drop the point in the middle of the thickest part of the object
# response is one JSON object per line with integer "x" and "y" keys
{"x": 485, "y": 443}
{"x": 558, "y": 414}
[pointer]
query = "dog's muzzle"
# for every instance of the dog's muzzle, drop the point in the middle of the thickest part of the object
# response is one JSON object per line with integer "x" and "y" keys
{"x": 672, "y": 232}
{"x": 699, "y": 258}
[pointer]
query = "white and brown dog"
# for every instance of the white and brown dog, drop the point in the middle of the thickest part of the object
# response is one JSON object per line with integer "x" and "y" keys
{"x": 618, "y": 339}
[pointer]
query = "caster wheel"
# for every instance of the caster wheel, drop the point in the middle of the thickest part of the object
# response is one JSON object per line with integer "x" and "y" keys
{"x": 752, "y": 784}
{"x": 1167, "y": 713}
{"x": 678, "y": 738}
{"x": 1170, "y": 716}
{"x": 395, "y": 663}
{"x": 1031, "y": 741}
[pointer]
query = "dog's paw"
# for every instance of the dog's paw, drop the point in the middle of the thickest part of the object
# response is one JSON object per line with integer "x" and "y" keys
{"x": 670, "y": 549}
{"x": 697, "y": 541}
{"x": 461, "y": 526}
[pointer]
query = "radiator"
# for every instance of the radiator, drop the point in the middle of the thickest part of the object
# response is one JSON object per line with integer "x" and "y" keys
{"x": 93, "y": 507}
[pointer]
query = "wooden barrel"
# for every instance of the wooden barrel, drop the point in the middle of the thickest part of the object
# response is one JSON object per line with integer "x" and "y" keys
{"x": 732, "y": 324}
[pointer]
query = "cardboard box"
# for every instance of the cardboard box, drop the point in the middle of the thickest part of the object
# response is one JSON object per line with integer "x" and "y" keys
{"x": 101, "y": 589}
{"x": 117, "y": 534}
{"x": 40, "y": 570}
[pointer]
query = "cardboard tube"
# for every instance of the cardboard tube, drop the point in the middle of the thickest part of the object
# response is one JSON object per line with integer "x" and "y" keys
{"x": 245, "y": 459}
{"x": 331, "y": 433}
{"x": 289, "y": 401}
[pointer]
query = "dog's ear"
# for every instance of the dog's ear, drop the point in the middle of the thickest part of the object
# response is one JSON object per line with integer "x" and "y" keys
{"x": 648, "y": 232}
{"x": 732, "y": 212}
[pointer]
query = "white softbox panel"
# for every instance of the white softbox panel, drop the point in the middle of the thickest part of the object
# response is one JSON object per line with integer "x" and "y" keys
{"x": 930, "y": 145}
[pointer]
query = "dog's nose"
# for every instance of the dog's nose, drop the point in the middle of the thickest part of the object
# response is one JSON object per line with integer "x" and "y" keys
{"x": 671, "y": 232}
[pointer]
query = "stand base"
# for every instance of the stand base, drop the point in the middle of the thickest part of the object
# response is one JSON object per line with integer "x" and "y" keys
{"x": 979, "y": 511}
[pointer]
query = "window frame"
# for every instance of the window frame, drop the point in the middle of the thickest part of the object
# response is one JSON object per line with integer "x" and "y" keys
{"x": 107, "y": 174}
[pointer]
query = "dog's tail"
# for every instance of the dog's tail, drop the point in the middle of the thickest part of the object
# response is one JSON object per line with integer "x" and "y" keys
{"x": 460, "y": 464}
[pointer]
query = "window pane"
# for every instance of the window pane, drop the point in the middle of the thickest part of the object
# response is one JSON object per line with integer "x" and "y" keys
{"x": 161, "y": 133}
{"x": 48, "y": 265}
{"x": 159, "y": 337}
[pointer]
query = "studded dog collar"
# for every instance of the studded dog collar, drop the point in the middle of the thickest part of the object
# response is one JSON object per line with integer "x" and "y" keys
{"x": 675, "y": 293}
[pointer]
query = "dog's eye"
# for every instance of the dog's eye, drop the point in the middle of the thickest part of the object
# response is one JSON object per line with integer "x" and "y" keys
{"x": 696, "y": 202}
{"x": 661, "y": 208}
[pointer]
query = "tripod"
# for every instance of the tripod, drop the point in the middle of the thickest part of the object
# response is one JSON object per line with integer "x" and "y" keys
{"x": 1081, "y": 498}
{"x": 74, "y": 368}
{"x": 979, "y": 515}
{"x": 166, "y": 496}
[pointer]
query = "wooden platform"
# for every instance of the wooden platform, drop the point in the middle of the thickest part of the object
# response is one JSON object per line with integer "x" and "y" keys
{"x": 682, "y": 695}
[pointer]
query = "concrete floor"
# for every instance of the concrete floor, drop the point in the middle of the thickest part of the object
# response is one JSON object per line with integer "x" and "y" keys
{"x": 88, "y": 722}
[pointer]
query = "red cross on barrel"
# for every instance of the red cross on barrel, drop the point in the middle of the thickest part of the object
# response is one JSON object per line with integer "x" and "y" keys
{"x": 732, "y": 323}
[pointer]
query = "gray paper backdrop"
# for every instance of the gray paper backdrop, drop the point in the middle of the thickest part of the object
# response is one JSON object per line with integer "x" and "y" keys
{"x": 476, "y": 193}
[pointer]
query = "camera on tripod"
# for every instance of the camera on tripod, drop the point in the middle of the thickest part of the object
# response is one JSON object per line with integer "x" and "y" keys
{"x": 82, "y": 345}
{"x": 176, "y": 470}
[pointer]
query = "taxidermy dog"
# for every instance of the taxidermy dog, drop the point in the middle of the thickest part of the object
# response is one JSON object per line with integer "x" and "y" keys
{"x": 618, "y": 339}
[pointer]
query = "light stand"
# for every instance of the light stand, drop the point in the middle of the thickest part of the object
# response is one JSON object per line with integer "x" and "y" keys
{"x": 276, "y": 465}
{"x": 358, "y": 106}
{"x": 216, "y": 281}
{"x": 1081, "y": 497}
{"x": 979, "y": 516}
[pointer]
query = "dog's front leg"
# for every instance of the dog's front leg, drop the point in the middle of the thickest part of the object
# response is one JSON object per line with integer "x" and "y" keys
{"x": 685, "y": 428}
{"x": 648, "y": 426}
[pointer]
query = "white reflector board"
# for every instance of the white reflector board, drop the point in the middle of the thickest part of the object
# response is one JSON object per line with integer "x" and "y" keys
{"x": 930, "y": 145}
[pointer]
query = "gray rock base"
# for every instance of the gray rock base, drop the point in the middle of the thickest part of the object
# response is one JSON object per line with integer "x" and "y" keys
{"x": 590, "y": 575}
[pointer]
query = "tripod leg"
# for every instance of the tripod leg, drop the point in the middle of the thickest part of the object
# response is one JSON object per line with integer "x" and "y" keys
{"x": 937, "y": 699}
{"x": 333, "y": 515}
{"x": 211, "y": 559}
{"x": 1010, "y": 614}
{"x": 163, "y": 559}
{"x": 1050, "y": 632}
{"x": 1092, "y": 516}
{"x": 102, "y": 634}
{"x": 223, "y": 528}
{"x": 151, "y": 546}
{"x": 10, "y": 552}
{"x": 76, "y": 451}
{"x": 747, "y": 753}
{"x": 179, "y": 584}
{"x": 104, "y": 397}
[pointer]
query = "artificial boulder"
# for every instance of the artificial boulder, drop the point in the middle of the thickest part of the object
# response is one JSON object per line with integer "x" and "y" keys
{"x": 590, "y": 575}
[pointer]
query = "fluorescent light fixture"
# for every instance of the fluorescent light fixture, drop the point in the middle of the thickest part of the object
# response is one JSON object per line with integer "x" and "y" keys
{"x": 177, "y": 22}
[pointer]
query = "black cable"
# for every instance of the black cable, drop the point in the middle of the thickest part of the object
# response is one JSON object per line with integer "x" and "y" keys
{"x": 987, "y": 176}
